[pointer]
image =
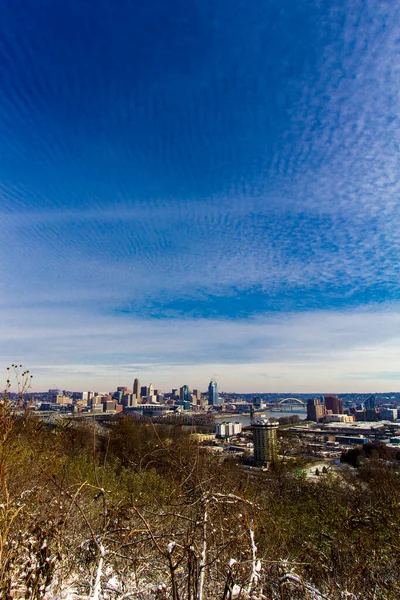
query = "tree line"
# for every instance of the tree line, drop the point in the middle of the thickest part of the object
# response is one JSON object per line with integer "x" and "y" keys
{"x": 139, "y": 510}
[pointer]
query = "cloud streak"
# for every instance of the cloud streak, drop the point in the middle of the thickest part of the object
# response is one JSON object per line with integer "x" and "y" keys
{"x": 280, "y": 352}
{"x": 159, "y": 173}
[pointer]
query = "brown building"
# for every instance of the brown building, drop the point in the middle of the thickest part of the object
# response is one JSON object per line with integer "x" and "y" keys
{"x": 334, "y": 404}
{"x": 63, "y": 399}
{"x": 315, "y": 410}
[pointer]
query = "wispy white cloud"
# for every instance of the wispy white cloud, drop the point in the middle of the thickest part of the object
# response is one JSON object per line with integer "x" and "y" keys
{"x": 307, "y": 351}
{"x": 265, "y": 186}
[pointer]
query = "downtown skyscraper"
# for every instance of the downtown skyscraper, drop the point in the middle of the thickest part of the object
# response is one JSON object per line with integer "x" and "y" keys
{"x": 213, "y": 399}
{"x": 136, "y": 389}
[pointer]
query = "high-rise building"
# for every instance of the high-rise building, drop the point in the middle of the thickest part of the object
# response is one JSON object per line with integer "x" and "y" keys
{"x": 136, "y": 389}
{"x": 334, "y": 404}
{"x": 129, "y": 400}
{"x": 184, "y": 393}
{"x": 96, "y": 399}
{"x": 118, "y": 396}
{"x": 213, "y": 399}
{"x": 265, "y": 445}
{"x": 151, "y": 390}
{"x": 197, "y": 394}
{"x": 144, "y": 391}
{"x": 315, "y": 410}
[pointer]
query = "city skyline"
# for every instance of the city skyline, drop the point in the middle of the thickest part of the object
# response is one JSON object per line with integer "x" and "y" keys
{"x": 201, "y": 191}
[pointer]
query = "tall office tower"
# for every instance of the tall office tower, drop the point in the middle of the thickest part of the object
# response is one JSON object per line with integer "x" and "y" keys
{"x": 334, "y": 404}
{"x": 144, "y": 391}
{"x": 129, "y": 400}
{"x": 264, "y": 437}
{"x": 315, "y": 410}
{"x": 136, "y": 389}
{"x": 151, "y": 390}
{"x": 197, "y": 394}
{"x": 184, "y": 393}
{"x": 213, "y": 399}
{"x": 118, "y": 396}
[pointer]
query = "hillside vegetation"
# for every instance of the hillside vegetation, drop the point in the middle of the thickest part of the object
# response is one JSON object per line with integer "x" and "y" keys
{"x": 139, "y": 511}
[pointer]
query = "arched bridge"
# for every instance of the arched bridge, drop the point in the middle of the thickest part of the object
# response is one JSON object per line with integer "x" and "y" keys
{"x": 292, "y": 401}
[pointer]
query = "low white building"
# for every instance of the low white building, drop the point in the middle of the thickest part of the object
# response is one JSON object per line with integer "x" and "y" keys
{"x": 227, "y": 429}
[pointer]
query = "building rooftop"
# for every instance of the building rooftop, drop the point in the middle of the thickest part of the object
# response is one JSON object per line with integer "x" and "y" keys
{"x": 355, "y": 425}
{"x": 264, "y": 423}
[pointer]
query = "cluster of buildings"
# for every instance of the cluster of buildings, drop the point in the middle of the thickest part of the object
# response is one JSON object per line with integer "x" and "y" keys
{"x": 318, "y": 411}
{"x": 264, "y": 439}
{"x": 330, "y": 428}
{"x": 331, "y": 411}
{"x": 144, "y": 398}
{"x": 331, "y": 439}
{"x": 258, "y": 442}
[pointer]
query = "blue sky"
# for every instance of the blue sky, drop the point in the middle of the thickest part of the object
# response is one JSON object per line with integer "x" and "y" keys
{"x": 201, "y": 189}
